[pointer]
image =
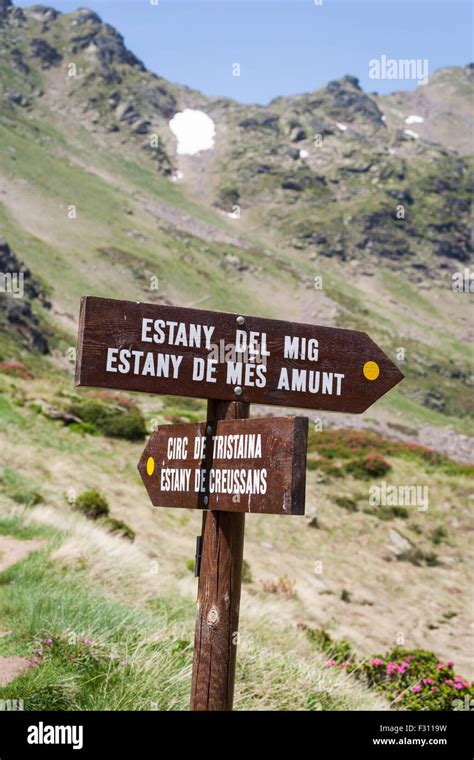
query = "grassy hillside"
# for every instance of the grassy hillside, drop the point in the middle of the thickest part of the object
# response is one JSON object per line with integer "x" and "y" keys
{"x": 95, "y": 200}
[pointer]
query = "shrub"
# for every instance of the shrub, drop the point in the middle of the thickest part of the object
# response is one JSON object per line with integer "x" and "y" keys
{"x": 417, "y": 556}
{"x": 369, "y": 466}
{"x": 417, "y": 680}
{"x": 118, "y": 526}
{"x": 347, "y": 503}
{"x": 412, "y": 679}
{"x": 282, "y": 585}
{"x": 119, "y": 418}
{"x": 438, "y": 534}
{"x": 92, "y": 505}
{"x": 338, "y": 651}
{"x": 388, "y": 513}
{"x": 83, "y": 428}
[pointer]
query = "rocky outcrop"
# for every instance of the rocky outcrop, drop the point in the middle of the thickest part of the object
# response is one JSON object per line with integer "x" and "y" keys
{"x": 47, "y": 54}
{"x": 18, "y": 292}
{"x": 345, "y": 95}
{"x": 5, "y": 6}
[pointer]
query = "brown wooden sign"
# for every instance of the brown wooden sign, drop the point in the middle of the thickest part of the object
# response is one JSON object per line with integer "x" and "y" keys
{"x": 136, "y": 346}
{"x": 252, "y": 466}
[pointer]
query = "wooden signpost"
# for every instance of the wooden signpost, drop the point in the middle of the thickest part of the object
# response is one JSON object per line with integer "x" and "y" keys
{"x": 228, "y": 465}
{"x": 206, "y": 354}
{"x": 233, "y": 465}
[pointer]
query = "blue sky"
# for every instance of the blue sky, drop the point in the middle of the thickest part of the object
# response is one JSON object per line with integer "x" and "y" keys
{"x": 284, "y": 46}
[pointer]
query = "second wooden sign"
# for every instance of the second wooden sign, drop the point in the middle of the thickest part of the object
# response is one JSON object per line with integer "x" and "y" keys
{"x": 256, "y": 465}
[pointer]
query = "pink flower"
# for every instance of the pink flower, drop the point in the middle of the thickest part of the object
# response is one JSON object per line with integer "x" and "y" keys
{"x": 329, "y": 663}
{"x": 434, "y": 688}
{"x": 441, "y": 667}
{"x": 458, "y": 685}
{"x": 450, "y": 663}
{"x": 32, "y": 662}
{"x": 427, "y": 680}
{"x": 402, "y": 668}
{"x": 377, "y": 661}
{"x": 391, "y": 668}
{"x": 416, "y": 688}
{"x": 345, "y": 663}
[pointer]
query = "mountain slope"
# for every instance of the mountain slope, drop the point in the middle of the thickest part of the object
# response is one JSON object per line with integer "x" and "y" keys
{"x": 95, "y": 199}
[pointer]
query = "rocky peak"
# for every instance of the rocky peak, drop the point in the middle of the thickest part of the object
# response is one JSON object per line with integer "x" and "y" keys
{"x": 346, "y": 96}
{"x": 4, "y": 6}
{"x": 84, "y": 15}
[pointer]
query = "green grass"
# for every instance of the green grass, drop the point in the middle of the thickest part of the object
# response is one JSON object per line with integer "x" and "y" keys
{"x": 92, "y": 651}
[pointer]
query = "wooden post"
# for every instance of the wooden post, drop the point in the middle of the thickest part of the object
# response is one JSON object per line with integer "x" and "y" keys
{"x": 220, "y": 580}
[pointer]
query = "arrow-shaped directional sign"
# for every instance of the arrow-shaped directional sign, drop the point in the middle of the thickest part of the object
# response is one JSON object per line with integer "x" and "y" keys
{"x": 253, "y": 466}
{"x": 206, "y": 354}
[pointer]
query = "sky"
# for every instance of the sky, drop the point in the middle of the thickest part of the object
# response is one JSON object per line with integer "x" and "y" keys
{"x": 284, "y": 47}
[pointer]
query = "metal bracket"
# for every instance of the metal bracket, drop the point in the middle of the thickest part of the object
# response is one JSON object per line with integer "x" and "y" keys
{"x": 197, "y": 558}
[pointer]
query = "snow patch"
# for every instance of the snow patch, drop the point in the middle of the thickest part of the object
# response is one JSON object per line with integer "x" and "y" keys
{"x": 342, "y": 127}
{"x": 413, "y": 119}
{"x": 382, "y": 118}
{"x": 177, "y": 176}
{"x": 411, "y": 133}
{"x": 194, "y": 130}
{"x": 304, "y": 154}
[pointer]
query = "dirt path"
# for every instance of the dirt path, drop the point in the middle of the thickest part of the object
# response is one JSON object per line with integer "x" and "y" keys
{"x": 13, "y": 550}
{"x": 10, "y": 668}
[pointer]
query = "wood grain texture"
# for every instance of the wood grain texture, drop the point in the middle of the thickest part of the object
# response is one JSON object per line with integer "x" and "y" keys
{"x": 109, "y": 324}
{"x": 217, "y": 615}
{"x": 277, "y": 478}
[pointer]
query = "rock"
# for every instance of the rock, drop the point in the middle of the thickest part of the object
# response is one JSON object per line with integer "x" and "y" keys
{"x": 110, "y": 48}
{"x": 127, "y": 112}
{"x": 17, "y": 60}
{"x": 459, "y": 250}
{"x": 291, "y": 184}
{"x": 48, "y": 55}
{"x": 54, "y": 413}
{"x": 261, "y": 122}
{"x": 42, "y": 13}
{"x": 434, "y": 400}
{"x": 235, "y": 262}
{"x": 20, "y": 315}
{"x": 297, "y": 135}
{"x": 85, "y": 16}
{"x": 5, "y": 5}
{"x": 398, "y": 542}
{"x": 346, "y": 95}
{"x": 18, "y": 98}
{"x": 142, "y": 128}
{"x": 18, "y": 311}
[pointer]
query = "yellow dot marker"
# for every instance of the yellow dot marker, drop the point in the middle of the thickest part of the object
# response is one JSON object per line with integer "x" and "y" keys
{"x": 371, "y": 370}
{"x": 150, "y": 466}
